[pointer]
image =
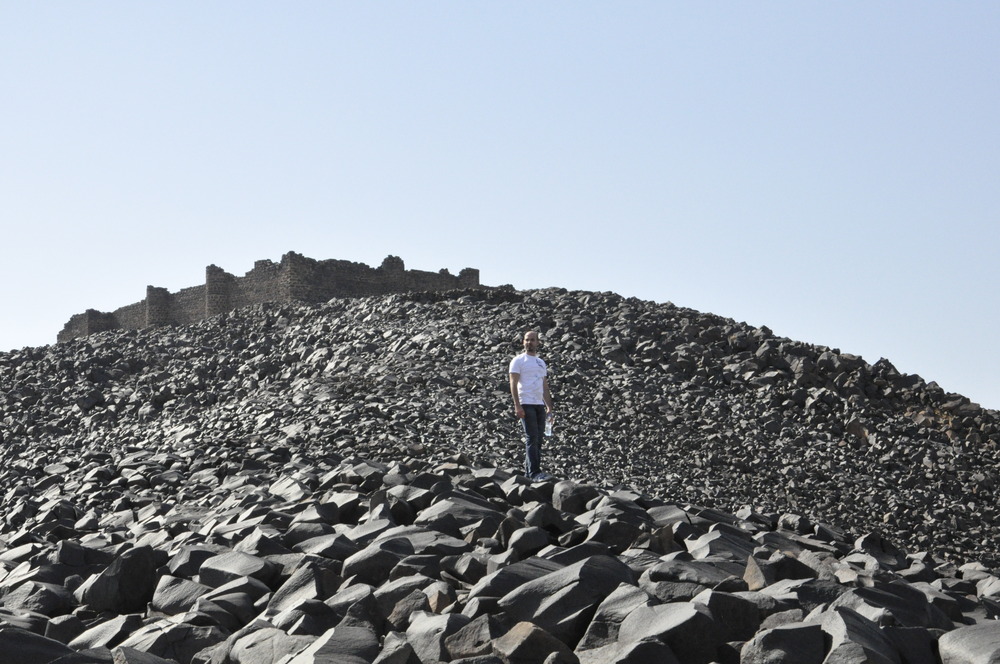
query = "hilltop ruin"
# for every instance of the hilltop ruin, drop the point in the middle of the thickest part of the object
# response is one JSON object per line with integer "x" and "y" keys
{"x": 295, "y": 279}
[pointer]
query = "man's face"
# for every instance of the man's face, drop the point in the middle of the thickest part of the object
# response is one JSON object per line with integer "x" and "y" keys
{"x": 531, "y": 342}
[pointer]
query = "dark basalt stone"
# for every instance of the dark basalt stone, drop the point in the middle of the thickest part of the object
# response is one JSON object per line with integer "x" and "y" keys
{"x": 289, "y": 483}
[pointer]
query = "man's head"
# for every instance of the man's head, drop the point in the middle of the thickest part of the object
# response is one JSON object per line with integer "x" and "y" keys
{"x": 531, "y": 342}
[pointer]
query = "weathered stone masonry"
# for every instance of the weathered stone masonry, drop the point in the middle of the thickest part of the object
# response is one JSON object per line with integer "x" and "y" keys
{"x": 295, "y": 278}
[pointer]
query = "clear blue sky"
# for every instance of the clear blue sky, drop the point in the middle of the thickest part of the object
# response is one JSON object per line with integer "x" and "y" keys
{"x": 830, "y": 170}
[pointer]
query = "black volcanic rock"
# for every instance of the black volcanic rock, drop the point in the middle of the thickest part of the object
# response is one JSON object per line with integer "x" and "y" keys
{"x": 283, "y": 483}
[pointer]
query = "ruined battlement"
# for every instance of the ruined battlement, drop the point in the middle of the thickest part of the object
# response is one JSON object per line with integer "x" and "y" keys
{"x": 295, "y": 279}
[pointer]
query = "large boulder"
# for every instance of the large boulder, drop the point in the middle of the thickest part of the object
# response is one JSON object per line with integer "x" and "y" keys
{"x": 125, "y": 586}
{"x": 563, "y": 602}
{"x": 972, "y": 644}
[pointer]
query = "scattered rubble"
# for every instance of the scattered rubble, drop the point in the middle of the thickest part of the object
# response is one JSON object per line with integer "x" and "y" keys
{"x": 339, "y": 482}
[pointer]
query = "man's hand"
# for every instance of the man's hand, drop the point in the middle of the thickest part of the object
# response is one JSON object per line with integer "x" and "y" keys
{"x": 519, "y": 411}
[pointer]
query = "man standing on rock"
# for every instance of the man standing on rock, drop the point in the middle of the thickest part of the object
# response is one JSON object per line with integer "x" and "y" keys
{"x": 529, "y": 387}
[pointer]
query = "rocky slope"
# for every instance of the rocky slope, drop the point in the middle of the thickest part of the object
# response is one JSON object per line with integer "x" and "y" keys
{"x": 219, "y": 437}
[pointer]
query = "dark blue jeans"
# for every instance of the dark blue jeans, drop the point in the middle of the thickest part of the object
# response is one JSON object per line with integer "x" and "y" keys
{"x": 534, "y": 429}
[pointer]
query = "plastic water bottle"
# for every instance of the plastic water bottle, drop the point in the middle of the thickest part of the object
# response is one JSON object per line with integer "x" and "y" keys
{"x": 548, "y": 423}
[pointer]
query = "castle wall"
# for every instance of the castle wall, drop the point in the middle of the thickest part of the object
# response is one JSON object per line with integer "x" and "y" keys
{"x": 295, "y": 278}
{"x": 131, "y": 317}
{"x": 158, "y": 306}
{"x": 187, "y": 306}
{"x": 218, "y": 290}
{"x": 89, "y": 322}
{"x": 266, "y": 282}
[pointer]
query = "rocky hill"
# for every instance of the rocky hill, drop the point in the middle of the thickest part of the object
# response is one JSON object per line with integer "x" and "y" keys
{"x": 693, "y": 453}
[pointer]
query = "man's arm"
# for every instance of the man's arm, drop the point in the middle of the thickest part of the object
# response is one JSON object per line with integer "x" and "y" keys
{"x": 546, "y": 395}
{"x": 514, "y": 378}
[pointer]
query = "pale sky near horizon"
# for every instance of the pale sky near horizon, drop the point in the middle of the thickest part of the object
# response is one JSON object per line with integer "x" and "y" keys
{"x": 829, "y": 170}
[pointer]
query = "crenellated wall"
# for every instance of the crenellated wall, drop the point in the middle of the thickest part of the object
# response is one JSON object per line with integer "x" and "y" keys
{"x": 295, "y": 278}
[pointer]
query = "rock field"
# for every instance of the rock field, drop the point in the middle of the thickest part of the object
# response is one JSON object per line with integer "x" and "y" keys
{"x": 290, "y": 484}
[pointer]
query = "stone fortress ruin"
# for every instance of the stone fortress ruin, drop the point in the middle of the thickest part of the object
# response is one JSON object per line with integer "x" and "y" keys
{"x": 295, "y": 279}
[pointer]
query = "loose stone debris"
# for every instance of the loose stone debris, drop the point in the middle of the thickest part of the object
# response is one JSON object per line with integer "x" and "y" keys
{"x": 340, "y": 483}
